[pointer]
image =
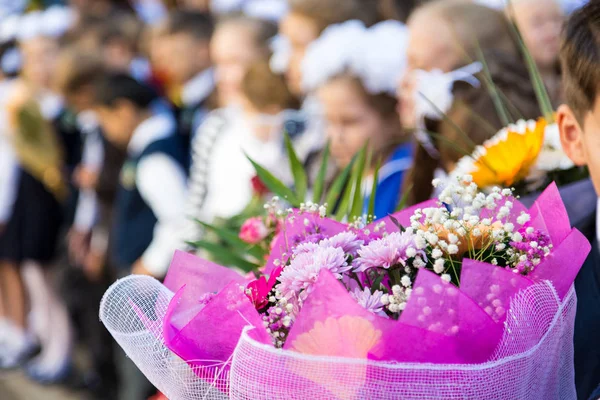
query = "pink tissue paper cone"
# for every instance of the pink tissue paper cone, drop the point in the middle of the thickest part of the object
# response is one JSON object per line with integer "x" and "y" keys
{"x": 209, "y": 333}
{"x": 441, "y": 307}
{"x": 491, "y": 287}
{"x": 571, "y": 248}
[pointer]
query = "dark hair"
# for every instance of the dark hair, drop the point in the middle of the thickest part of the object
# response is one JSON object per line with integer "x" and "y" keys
{"x": 196, "y": 24}
{"x": 474, "y": 115}
{"x": 119, "y": 86}
{"x": 398, "y": 10}
{"x": 328, "y": 12}
{"x": 580, "y": 58}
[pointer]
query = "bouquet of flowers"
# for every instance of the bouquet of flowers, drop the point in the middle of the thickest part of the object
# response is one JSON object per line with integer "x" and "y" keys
{"x": 468, "y": 296}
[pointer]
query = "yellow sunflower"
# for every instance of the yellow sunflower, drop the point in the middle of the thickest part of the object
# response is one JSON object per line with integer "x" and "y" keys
{"x": 507, "y": 157}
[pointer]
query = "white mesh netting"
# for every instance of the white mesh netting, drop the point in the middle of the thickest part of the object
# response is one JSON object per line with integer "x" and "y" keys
{"x": 533, "y": 361}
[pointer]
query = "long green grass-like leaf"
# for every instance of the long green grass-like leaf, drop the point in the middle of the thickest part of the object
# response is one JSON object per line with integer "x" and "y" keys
{"x": 538, "y": 83}
{"x": 338, "y": 185}
{"x": 364, "y": 157}
{"x": 300, "y": 178}
{"x": 275, "y": 185}
{"x": 493, "y": 90}
{"x": 344, "y": 203}
{"x": 319, "y": 185}
{"x": 450, "y": 122}
{"x": 371, "y": 210}
{"x": 231, "y": 237}
{"x": 225, "y": 256}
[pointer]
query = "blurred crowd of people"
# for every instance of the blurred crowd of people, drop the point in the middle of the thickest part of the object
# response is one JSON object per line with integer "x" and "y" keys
{"x": 123, "y": 121}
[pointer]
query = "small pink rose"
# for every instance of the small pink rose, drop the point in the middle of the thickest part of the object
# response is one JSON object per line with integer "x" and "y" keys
{"x": 253, "y": 231}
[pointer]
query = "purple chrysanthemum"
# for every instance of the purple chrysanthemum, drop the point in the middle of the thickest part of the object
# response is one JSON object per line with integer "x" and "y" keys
{"x": 370, "y": 301}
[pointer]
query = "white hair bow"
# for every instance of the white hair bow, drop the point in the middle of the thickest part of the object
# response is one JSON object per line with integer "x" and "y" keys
{"x": 433, "y": 97}
{"x": 376, "y": 55}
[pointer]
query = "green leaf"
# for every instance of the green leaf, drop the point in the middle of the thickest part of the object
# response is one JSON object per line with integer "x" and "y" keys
{"x": 493, "y": 90}
{"x": 358, "y": 199}
{"x": 225, "y": 256}
{"x": 275, "y": 185}
{"x": 451, "y": 123}
{"x": 320, "y": 181}
{"x": 371, "y": 210}
{"x": 397, "y": 223}
{"x": 344, "y": 203}
{"x": 300, "y": 179}
{"x": 338, "y": 184}
{"x": 231, "y": 237}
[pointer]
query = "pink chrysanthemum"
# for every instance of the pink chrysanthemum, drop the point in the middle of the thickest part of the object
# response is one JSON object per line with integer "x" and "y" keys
{"x": 298, "y": 277}
{"x": 385, "y": 252}
{"x": 347, "y": 241}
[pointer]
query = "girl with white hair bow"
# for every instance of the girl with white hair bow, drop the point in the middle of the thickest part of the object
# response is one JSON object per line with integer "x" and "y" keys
{"x": 353, "y": 70}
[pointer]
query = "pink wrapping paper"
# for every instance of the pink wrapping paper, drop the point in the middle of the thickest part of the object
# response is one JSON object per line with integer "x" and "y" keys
{"x": 209, "y": 333}
{"x": 441, "y": 323}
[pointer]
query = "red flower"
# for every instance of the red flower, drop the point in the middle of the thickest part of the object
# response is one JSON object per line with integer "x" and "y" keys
{"x": 258, "y": 186}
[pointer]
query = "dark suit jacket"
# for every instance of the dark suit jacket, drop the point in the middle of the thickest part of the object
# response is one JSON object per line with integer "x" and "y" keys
{"x": 581, "y": 201}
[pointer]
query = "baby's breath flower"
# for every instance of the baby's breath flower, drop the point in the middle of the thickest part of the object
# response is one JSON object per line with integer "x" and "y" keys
{"x": 437, "y": 253}
{"x": 523, "y": 218}
{"x": 446, "y": 278}
{"x": 438, "y": 266}
{"x": 452, "y": 249}
{"x": 405, "y": 281}
{"x": 418, "y": 262}
{"x": 323, "y": 210}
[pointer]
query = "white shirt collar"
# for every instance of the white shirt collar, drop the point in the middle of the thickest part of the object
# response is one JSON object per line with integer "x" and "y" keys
{"x": 158, "y": 126}
{"x": 87, "y": 121}
{"x": 198, "y": 88}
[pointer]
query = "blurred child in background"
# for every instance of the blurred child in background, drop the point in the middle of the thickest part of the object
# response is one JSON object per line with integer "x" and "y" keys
{"x": 540, "y": 23}
{"x": 186, "y": 41}
{"x": 30, "y": 234}
{"x": 238, "y": 42}
{"x": 221, "y": 175}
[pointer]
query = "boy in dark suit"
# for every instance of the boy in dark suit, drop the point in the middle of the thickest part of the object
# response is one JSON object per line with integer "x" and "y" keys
{"x": 579, "y": 123}
{"x": 186, "y": 39}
